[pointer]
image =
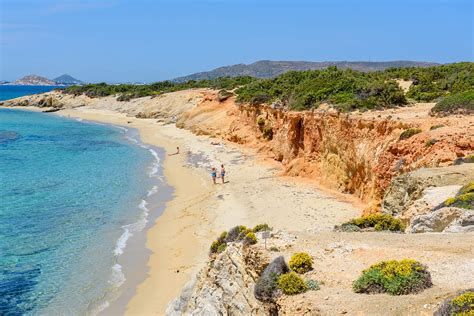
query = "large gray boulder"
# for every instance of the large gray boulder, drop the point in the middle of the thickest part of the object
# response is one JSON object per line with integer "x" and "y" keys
{"x": 418, "y": 192}
{"x": 445, "y": 219}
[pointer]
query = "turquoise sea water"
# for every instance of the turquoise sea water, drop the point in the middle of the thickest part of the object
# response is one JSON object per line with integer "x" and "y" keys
{"x": 71, "y": 194}
{"x": 10, "y": 92}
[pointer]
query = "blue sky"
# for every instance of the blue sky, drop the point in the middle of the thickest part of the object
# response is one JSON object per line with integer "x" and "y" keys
{"x": 146, "y": 40}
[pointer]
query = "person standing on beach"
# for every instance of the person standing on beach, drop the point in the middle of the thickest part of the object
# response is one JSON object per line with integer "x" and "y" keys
{"x": 222, "y": 173}
{"x": 214, "y": 174}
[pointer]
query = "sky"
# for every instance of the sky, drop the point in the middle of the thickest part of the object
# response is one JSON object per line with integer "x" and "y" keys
{"x": 152, "y": 40}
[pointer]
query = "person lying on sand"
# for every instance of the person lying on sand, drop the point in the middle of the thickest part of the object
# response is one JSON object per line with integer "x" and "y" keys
{"x": 214, "y": 175}
{"x": 176, "y": 153}
{"x": 222, "y": 173}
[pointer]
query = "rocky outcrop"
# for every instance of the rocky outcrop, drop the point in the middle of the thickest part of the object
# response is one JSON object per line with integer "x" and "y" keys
{"x": 418, "y": 192}
{"x": 351, "y": 153}
{"x": 225, "y": 287}
{"x": 445, "y": 219}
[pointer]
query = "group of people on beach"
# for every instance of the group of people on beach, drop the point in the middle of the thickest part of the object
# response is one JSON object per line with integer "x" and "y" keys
{"x": 214, "y": 174}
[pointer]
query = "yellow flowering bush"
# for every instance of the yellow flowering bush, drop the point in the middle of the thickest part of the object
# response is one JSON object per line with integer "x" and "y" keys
{"x": 291, "y": 284}
{"x": 394, "y": 277}
{"x": 301, "y": 262}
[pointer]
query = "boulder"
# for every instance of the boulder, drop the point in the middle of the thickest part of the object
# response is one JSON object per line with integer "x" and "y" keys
{"x": 446, "y": 219}
{"x": 417, "y": 192}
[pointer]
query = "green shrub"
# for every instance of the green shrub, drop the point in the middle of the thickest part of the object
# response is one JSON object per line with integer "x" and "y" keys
{"x": 250, "y": 238}
{"x": 261, "y": 228}
{"x": 436, "y": 126}
{"x": 469, "y": 158}
{"x": 268, "y": 132}
{"x": 347, "y": 227}
{"x": 291, "y": 284}
{"x": 379, "y": 222}
{"x": 430, "y": 142}
{"x": 275, "y": 249}
{"x": 301, "y": 262}
{"x": 219, "y": 245}
{"x": 221, "y": 248}
{"x": 465, "y": 201}
{"x": 236, "y": 233}
{"x": 463, "y": 102}
{"x": 312, "y": 285}
{"x": 394, "y": 277}
{"x": 468, "y": 188}
{"x": 409, "y": 133}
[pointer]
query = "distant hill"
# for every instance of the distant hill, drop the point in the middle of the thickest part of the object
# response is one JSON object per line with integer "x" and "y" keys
{"x": 66, "y": 80}
{"x": 33, "y": 80}
{"x": 269, "y": 69}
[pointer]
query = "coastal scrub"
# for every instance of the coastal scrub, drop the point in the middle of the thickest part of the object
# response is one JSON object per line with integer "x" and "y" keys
{"x": 291, "y": 284}
{"x": 301, "y": 262}
{"x": 378, "y": 222}
{"x": 394, "y": 277}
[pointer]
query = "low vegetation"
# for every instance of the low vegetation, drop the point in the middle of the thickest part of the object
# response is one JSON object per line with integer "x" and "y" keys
{"x": 436, "y": 127}
{"x": 303, "y": 90}
{"x": 469, "y": 158}
{"x": 431, "y": 83}
{"x": 236, "y": 234}
{"x": 409, "y": 133}
{"x": 126, "y": 92}
{"x": 394, "y": 277}
{"x": 291, "y": 284}
{"x": 301, "y": 262}
{"x": 312, "y": 285}
{"x": 456, "y": 103}
{"x": 346, "y": 89}
{"x": 378, "y": 222}
{"x": 461, "y": 305}
{"x": 261, "y": 228}
{"x": 463, "y": 199}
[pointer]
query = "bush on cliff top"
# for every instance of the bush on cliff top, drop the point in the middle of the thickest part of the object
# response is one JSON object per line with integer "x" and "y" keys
{"x": 379, "y": 222}
{"x": 459, "y": 102}
{"x": 235, "y": 234}
{"x": 465, "y": 201}
{"x": 394, "y": 277}
{"x": 409, "y": 133}
{"x": 261, "y": 228}
{"x": 301, "y": 262}
{"x": 461, "y": 305}
{"x": 291, "y": 284}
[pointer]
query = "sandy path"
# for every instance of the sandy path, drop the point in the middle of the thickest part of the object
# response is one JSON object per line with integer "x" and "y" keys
{"x": 199, "y": 211}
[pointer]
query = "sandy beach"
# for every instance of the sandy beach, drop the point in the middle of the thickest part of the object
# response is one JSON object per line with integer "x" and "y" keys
{"x": 180, "y": 238}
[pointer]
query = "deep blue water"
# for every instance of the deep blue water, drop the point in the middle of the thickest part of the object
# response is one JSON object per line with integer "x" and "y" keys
{"x": 11, "y": 92}
{"x": 71, "y": 193}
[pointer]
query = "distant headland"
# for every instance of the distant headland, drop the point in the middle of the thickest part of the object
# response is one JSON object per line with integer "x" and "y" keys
{"x": 35, "y": 80}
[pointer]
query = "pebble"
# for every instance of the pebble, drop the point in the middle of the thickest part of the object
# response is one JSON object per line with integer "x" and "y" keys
{"x": 326, "y": 298}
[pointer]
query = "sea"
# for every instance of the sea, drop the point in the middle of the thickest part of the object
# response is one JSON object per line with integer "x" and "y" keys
{"x": 73, "y": 195}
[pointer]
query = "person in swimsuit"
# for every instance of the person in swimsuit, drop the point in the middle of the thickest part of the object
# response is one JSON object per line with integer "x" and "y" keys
{"x": 214, "y": 174}
{"x": 222, "y": 173}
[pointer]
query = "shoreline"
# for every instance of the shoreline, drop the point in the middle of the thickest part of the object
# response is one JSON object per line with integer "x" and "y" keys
{"x": 178, "y": 241}
{"x": 163, "y": 227}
